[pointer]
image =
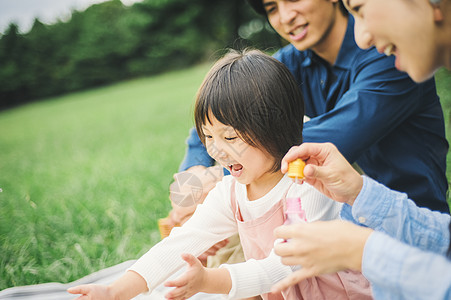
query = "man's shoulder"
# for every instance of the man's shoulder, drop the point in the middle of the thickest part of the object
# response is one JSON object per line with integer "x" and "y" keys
{"x": 290, "y": 55}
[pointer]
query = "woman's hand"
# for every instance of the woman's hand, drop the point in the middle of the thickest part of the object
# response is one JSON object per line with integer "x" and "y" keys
{"x": 319, "y": 248}
{"x": 327, "y": 170}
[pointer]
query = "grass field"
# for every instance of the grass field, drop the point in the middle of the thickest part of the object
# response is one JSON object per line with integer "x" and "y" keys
{"x": 84, "y": 177}
{"x": 443, "y": 80}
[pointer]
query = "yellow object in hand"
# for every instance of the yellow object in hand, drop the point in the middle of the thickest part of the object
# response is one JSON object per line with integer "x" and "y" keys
{"x": 296, "y": 169}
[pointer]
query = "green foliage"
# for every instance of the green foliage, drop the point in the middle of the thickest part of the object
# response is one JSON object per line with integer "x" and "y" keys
{"x": 109, "y": 42}
{"x": 86, "y": 176}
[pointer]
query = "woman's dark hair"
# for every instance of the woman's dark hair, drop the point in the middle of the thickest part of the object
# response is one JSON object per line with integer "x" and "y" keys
{"x": 257, "y": 5}
{"x": 258, "y": 97}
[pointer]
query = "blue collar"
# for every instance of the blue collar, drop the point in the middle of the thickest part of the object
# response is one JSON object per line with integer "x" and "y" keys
{"x": 348, "y": 47}
{"x": 346, "y": 53}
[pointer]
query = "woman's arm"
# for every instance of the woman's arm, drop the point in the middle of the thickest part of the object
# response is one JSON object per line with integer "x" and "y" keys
{"x": 393, "y": 213}
{"x": 400, "y": 271}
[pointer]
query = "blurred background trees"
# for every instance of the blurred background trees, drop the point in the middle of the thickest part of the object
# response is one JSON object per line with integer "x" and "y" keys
{"x": 109, "y": 42}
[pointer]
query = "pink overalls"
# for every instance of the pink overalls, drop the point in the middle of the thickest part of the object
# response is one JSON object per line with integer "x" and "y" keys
{"x": 257, "y": 240}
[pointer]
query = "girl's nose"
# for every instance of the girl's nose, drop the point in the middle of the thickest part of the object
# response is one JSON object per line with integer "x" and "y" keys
{"x": 222, "y": 154}
{"x": 216, "y": 151}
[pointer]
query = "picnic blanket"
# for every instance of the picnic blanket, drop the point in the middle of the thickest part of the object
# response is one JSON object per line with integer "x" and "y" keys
{"x": 55, "y": 290}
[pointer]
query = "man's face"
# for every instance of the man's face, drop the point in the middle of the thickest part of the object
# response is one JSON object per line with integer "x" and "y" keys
{"x": 303, "y": 23}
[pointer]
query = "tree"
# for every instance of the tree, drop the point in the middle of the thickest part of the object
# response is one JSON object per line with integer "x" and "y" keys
{"x": 109, "y": 42}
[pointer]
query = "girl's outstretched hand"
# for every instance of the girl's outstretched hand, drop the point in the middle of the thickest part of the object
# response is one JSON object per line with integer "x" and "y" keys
{"x": 320, "y": 247}
{"x": 190, "y": 283}
{"x": 126, "y": 287}
{"x": 327, "y": 170}
{"x": 91, "y": 291}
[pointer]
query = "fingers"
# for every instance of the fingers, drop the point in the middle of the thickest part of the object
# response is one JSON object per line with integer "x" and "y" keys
{"x": 177, "y": 283}
{"x": 288, "y": 231}
{"x": 290, "y": 280}
{"x": 190, "y": 259}
{"x": 219, "y": 245}
{"x": 80, "y": 289}
{"x": 309, "y": 170}
{"x": 310, "y": 152}
{"x": 316, "y": 172}
{"x": 176, "y": 294}
{"x": 222, "y": 243}
{"x": 290, "y": 253}
{"x": 213, "y": 249}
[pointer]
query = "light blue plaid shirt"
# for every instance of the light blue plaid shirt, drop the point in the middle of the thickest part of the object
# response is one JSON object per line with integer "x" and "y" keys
{"x": 405, "y": 257}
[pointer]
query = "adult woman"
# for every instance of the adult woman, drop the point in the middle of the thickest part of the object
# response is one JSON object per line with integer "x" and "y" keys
{"x": 406, "y": 261}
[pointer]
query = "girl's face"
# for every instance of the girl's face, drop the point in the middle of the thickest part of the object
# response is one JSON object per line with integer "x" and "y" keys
{"x": 404, "y": 28}
{"x": 304, "y": 23}
{"x": 249, "y": 165}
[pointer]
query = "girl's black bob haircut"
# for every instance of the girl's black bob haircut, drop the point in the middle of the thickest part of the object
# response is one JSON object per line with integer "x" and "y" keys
{"x": 258, "y": 97}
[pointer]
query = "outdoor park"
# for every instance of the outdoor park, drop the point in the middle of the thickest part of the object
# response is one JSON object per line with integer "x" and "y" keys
{"x": 86, "y": 164}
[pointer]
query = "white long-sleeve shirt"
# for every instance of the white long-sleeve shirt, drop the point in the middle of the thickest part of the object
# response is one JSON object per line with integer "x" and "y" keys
{"x": 214, "y": 221}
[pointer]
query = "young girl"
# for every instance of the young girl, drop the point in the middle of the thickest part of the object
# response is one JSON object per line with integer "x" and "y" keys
{"x": 248, "y": 113}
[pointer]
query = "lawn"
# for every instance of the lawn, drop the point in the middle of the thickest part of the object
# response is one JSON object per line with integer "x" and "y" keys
{"x": 443, "y": 80}
{"x": 84, "y": 177}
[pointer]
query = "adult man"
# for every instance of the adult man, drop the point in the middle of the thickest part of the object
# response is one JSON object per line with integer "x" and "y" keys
{"x": 356, "y": 99}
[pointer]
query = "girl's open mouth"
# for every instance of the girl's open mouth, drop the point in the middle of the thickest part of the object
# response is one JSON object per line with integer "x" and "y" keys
{"x": 236, "y": 170}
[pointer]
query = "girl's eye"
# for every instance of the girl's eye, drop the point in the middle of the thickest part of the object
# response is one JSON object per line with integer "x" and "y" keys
{"x": 230, "y": 138}
{"x": 208, "y": 136}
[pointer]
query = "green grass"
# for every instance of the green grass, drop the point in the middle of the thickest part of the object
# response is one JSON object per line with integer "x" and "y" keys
{"x": 86, "y": 176}
{"x": 443, "y": 80}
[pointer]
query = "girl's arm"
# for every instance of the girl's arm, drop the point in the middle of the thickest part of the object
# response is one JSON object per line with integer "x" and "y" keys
{"x": 237, "y": 281}
{"x": 212, "y": 222}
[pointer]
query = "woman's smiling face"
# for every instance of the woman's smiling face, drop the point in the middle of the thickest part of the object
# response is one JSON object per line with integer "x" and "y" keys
{"x": 404, "y": 28}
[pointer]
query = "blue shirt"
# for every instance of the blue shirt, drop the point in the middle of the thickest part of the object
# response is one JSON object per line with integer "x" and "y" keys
{"x": 404, "y": 257}
{"x": 374, "y": 114}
